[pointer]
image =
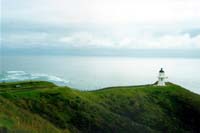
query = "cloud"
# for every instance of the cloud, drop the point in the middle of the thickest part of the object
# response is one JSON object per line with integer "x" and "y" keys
{"x": 85, "y": 39}
{"x": 21, "y": 40}
{"x": 181, "y": 41}
{"x": 103, "y": 11}
{"x": 126, "y": 24}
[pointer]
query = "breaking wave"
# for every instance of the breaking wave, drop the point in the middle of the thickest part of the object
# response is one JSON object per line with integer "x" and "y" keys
{"x": 12, "y": 76}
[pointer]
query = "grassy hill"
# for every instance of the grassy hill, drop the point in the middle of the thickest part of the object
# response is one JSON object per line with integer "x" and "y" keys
{"x": 44, "y": 107}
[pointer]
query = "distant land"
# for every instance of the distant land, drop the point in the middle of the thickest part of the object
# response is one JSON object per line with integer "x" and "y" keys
{"x": 38, "y": 106}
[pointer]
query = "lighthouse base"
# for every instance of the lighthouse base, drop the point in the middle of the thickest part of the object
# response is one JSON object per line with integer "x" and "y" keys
{"x": 160, "y": 83}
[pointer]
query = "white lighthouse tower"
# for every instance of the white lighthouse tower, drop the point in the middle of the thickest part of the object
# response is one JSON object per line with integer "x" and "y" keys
{"x": 161, "y": 78}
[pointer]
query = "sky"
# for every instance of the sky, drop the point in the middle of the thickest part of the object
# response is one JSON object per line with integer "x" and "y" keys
{"x": 100, "y": 25}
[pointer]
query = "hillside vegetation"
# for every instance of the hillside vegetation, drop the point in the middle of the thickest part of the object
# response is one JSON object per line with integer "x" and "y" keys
{"x": 44, "y": 107}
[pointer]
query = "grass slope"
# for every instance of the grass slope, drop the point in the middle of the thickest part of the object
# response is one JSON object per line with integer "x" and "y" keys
{"x": 45, "y": 107}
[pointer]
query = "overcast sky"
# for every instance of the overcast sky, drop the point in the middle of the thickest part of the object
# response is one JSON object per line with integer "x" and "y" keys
{"x": 101, "y": 24}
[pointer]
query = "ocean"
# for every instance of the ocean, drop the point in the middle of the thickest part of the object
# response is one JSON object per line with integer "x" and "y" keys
{"x": 95, "y": 72}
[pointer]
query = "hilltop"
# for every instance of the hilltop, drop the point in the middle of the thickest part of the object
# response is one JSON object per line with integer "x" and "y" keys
{"x": 38, "y": 106}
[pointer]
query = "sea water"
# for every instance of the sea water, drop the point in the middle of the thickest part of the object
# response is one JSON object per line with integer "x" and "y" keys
{"x": 89, "y": 73}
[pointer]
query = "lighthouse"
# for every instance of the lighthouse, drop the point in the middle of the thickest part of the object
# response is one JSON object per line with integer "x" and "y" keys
{"x": 161, "y": 78}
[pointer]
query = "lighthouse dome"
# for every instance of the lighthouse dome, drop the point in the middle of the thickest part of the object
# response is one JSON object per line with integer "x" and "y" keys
{"x": 161, "y": 70}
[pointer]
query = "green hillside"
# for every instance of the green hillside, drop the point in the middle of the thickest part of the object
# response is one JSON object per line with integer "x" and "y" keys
{"x": 44, "y": 107}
